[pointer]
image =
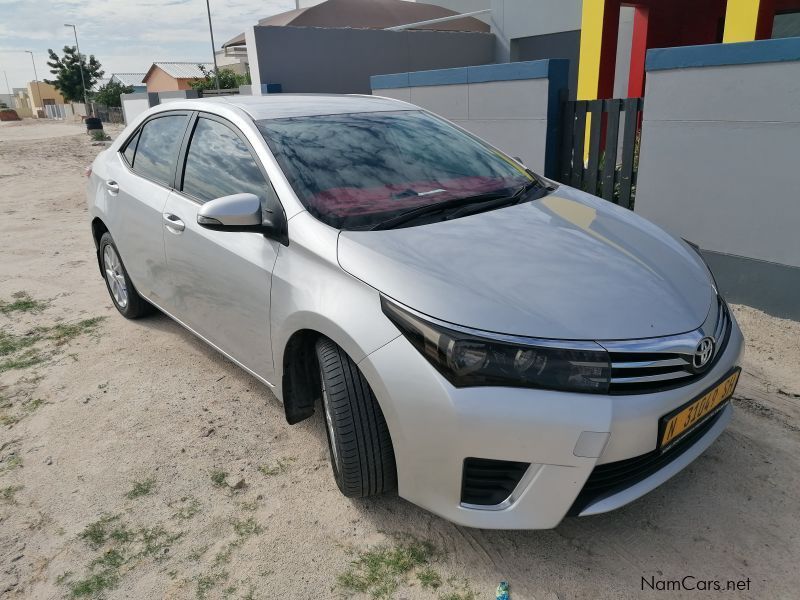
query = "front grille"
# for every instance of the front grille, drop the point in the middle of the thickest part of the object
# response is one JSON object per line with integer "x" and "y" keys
{"x": 488, "y": 482}
{"x": 647, "y": 367}
{"x": 611, "y": 478}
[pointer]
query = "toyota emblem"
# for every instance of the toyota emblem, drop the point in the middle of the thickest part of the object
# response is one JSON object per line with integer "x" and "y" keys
{"x": 703, "y": 354}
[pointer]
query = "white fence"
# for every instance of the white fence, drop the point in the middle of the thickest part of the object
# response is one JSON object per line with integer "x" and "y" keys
{"x": 58, "y": 112}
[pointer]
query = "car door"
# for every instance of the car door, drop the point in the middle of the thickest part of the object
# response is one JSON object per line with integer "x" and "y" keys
{"x": 220, "y": 280}
{"x": 139, "y": 181}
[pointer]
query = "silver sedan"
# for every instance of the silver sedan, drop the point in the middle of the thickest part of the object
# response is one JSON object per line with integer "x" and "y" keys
{"x": 501, "y": 349}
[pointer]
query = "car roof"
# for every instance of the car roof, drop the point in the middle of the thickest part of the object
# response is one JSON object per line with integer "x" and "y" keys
{"x": 276, "y": 106}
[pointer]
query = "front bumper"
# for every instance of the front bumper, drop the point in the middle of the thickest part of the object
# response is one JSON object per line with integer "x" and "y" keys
{"x": 435, "y": 427}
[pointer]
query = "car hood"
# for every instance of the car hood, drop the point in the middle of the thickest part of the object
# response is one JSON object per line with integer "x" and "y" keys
{"x": 566, "y": 266}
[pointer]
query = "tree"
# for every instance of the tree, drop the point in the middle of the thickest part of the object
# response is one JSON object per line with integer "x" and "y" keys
{"x": 109, "y": 94}
{"x": 67, "y": 70}
{"x": 227, "y": 80}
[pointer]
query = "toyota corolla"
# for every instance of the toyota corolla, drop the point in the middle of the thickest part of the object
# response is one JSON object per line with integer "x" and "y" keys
{"x": 501, "y": 349}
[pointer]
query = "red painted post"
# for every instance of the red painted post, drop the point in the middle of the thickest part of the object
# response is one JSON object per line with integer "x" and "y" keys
{"x": 638, "y": 52}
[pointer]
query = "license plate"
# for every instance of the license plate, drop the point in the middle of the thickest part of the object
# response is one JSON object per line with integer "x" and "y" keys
{"x": 681, "y": 422}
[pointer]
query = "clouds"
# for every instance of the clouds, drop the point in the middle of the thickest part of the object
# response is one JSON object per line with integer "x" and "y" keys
{"x": 124, "y": 35}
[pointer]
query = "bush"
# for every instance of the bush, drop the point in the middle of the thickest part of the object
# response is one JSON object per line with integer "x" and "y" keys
{"x": 227, "y": 80}
{"x": 98, "y": 135}
{"x": 109, "y": 94}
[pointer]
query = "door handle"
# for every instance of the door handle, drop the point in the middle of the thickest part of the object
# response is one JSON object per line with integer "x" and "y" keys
{"x": 173, "y": 223}
{"x": 112, "y": 186}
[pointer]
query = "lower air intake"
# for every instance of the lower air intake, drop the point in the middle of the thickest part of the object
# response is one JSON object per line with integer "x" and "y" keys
{"x": 488, "y": 482}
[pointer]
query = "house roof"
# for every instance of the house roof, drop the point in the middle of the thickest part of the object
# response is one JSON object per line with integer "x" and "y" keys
{"x": 179, "y": 70}
{"x": 368, "y": 14}
{"x": 101, "y": 81}
{"x": 133, "y": 79}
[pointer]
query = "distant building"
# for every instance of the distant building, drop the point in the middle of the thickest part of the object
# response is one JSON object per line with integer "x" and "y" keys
{"x": 134, "y": 80}
{"x": 42, "y": 94}
{"x": 173, "y": 76}
{"x": 353, "y": 14}
{"x": 101, "y": 81}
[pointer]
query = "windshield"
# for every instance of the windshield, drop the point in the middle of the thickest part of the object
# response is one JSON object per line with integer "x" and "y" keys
{"x": 355, "y": 170}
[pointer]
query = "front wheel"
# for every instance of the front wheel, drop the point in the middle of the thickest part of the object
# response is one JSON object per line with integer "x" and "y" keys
{"x": 124, "y": 296}
{"x": 358, "y": 438}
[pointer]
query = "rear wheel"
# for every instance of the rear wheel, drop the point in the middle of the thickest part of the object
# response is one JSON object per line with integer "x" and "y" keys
{"x": 358, "y": 438}
{"x": 124, "y": 296}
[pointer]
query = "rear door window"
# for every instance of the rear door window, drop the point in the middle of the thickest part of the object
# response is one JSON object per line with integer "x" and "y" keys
{"x": 219, "y": 163}
{"x": 157, "y": 150}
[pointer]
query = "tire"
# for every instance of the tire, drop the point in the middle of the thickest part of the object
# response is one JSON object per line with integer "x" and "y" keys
{"x": 124, "y": 296}
{"x": 361, "y": 450}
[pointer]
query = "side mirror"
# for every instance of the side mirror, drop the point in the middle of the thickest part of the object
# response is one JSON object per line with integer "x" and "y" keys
{"x": 242, "y": 212}
{"x": 237, "y": 212}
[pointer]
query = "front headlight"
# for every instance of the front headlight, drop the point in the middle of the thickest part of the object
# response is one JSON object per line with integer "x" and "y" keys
{"x": 469, "y": 360}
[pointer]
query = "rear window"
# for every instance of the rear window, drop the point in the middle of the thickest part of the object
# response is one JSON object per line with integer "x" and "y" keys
{"x": 130, "y": 148}
{"x": 157, "y": 150}
{"x": 352, "y": 171}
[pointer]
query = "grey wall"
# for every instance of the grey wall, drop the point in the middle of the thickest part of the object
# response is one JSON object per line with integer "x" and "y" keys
{"x": 564, "y": 44}
{"x": 307, "y": 59}
{"x": 719, "y": 166}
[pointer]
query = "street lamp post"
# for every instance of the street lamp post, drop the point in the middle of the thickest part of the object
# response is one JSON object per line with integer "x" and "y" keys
{"x": 80, "y": 65}
{"x": 213, "y": 48}
{"x": 38, "y": 89}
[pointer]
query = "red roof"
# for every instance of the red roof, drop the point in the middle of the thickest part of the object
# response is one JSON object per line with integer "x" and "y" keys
{"x": 368, "y": 14}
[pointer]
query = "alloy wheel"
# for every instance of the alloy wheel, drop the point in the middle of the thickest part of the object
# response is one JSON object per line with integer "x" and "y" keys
{"x": 115, "y": 276}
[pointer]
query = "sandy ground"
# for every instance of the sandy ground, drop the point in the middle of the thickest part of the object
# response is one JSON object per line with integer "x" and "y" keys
{"x": 110, "y": 403}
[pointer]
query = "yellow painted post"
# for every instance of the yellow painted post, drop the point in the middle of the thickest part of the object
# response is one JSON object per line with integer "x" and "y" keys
{"x": 741, "y": 19}
{"x": 590, "y": 51}
{"x": 589, "y": 58}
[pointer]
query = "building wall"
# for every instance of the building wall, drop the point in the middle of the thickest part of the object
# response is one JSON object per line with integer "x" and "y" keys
{"x": 160, "y": 81}
{"x": 512, "y": 106}
{"x": 306, "y": 59}
{"x": 718, "y": 162}
{"x": 47, "y": 91}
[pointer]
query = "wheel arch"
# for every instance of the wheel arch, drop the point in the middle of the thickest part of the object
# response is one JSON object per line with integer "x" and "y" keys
{"x": 296, "y": 360}
{"x": 98, "y": 229}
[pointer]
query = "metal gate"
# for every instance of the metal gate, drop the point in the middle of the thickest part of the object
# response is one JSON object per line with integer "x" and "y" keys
{"x": 608, "y": 166}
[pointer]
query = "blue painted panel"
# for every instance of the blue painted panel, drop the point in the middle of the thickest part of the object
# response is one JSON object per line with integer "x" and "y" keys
{"x": 385, "y": 82}
{"x": 438, "y": 77}
{"x": 713, "y": 55}
{"x": 558, "y": 84}
{"x": 533, "y": 69}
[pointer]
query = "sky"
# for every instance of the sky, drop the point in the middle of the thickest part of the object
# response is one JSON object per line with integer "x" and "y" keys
{"x": 124, "y": 35}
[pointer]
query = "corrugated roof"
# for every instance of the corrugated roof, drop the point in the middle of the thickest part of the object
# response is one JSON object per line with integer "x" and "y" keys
{"x": 181, "y": 70}
{"x": 368, "y": 14}
{"x": 101, "y": 81}
{"x": 129, "y": 78}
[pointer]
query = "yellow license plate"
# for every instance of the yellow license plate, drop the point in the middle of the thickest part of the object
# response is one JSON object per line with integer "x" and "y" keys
{"x": 687, "y": 417}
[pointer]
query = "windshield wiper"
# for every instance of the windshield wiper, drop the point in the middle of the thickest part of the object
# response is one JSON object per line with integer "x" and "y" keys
{"x": 429, "y": 209}
{"x": 518, "y": 196}
{"x": 486, "y": 201}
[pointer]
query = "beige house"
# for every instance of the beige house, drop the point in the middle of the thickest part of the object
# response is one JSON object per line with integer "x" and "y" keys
{"x": 173, "y": 76}
{"x": 41, "y": 94}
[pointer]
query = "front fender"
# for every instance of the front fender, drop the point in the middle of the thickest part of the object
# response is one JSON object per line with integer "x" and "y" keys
{"x": 310, "y": 291}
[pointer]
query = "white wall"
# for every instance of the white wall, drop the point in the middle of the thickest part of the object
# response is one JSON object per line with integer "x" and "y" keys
{"x": 133, "y": 107}
{"x": 719, "y": 162}
{"x": 512, "y": 19}
{"x": 511, "y": 115}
